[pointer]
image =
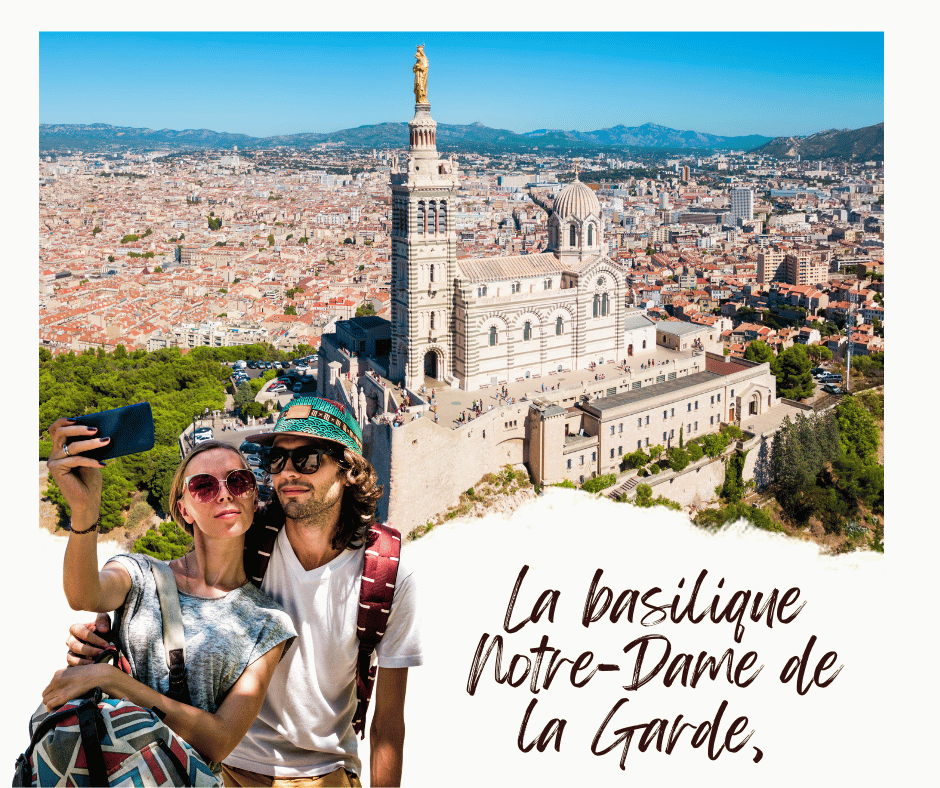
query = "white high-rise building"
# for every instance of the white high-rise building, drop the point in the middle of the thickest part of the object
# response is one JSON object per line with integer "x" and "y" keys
{"x": 742, "y": 204}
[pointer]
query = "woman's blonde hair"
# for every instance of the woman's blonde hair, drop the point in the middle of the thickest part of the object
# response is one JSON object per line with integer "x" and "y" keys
{"x": 176, "y": 489}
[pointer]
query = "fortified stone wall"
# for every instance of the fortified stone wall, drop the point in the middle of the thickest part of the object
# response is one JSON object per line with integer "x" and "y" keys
{"x": 416, "y": 462}
{"x": 695, "y": 485}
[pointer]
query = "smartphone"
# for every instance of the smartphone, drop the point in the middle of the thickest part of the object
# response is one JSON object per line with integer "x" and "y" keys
{"x": 130, "y": 429}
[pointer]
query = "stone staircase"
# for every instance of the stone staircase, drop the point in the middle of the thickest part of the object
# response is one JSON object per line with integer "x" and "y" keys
{"x": 627, "y": 486}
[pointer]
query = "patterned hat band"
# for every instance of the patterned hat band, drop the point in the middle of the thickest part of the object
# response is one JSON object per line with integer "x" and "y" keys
{"x": 318, "y": 418}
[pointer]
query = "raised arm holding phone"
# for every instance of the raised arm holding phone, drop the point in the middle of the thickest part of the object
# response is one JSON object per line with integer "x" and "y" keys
{"x": 238, "y": 633}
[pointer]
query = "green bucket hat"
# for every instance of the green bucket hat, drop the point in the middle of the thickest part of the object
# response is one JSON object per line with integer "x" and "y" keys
{"x": 315, "y": 417}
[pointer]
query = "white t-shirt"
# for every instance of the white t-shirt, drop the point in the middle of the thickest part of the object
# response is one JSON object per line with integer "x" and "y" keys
{"x": 304, "y": 728}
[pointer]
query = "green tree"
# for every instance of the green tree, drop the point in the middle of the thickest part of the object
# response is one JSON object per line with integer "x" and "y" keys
{"x": 858, "y": 430}
{"x": 270, "y": 239}
{"x": 760, "y": 352}
{"x": 695, "y": 451}
{"x": 254, "y": 410}
{"x": 678, "y": 458}
{"x": 733, "y": 488}
{"x": 243, "y": 395}
{"x": 818, "y": 353}
{"x": 713, "y": 444}
{"x": 365, "y": 309}
{"x": 96, "y": 231}
{"x": 793, "y": 373}
{"x": 290, "y": 309}
{"x": 636, "y": 459}
{"x": 110, "y": 258}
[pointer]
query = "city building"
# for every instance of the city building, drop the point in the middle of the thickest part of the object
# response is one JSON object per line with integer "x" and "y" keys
{"x": 742, "y": 204}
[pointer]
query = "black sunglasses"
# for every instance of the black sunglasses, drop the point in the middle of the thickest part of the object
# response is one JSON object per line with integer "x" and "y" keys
{"x": 205, "y": 487}
{"x": 306, "y": 459}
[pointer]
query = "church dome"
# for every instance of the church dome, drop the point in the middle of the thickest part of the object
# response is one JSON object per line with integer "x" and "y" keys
{"x": 576, "y": 200}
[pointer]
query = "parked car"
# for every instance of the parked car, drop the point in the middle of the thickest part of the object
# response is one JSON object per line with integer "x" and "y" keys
{"x": 297, "y": 387}
{"x": 307, "y": 379}
{"x": 277, "y": 388}
{"x": 248, "y": 447}
{"x": 831, "y": 388}
{"x": 201, "y": 435}
{"x": 260, "y": 475}
{"x": 819, "y": 372}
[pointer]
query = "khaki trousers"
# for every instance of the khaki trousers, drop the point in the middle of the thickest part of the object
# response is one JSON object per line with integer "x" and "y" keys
{"x": 242, "y": 778}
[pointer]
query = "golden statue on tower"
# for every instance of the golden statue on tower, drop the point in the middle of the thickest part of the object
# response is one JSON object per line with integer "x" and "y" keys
{"x": 421, "y": 76}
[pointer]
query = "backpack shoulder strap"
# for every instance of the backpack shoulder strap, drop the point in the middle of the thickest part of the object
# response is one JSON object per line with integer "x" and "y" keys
{"x": 174, "y": 638}
{"x": 258, "y": 548}
{"x": 379, "y": 574}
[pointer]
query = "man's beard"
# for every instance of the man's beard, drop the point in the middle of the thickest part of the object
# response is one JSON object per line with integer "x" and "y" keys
{"x": 310, "y": 508}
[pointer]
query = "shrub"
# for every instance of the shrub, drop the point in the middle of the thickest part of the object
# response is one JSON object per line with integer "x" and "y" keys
{"x": 715, "y": 518}
{"x": 644, "y": 498}
{"x": 654, "y": 468}
{"x": 695, "y": 452}
{"x": 732, "y": 431}
{"x": 139, "y": 512}
{"x": 599, "y": 483}
{"x": 567, "y": 483}
{"x": 678, "y": 458}
{"x": 636, "y": 459}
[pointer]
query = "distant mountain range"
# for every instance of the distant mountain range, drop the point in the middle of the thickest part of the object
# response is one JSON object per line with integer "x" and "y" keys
{"x": 858, "y": 145}
{"x": 101, "y": 137}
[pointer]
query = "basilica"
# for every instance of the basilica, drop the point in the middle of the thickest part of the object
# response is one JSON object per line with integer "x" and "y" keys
{"x": 476, "y": 322}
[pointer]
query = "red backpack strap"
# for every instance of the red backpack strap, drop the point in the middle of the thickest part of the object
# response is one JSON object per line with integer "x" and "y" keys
{"x": 379, "y": 573}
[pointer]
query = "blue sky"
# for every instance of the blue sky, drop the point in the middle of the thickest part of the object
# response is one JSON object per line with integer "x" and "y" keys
{"x": 266, "y": 83}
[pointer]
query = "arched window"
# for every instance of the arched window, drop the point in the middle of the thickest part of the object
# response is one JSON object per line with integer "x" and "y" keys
{"x": 481, "y": 291}
{"x": 559, "y": 327}
{"x": 590, "y": 235}
{"x": 527, "y": 331}
{"x": 422, "y": 218}
{"x": 432, "y": 219}
{"x": 644, "y": 344}
{"x": 572, "y": 235}
{"x": 432, "y": 321}
{"x": 442, "y": 213}
{"x": 492, "y": 335}
{"x": 597, "y": 303}
{"x": 431, "y": 273}
{"x": 604, "y": 305}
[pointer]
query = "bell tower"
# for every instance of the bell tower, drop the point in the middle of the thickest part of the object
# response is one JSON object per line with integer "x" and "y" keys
{"x": 424, "y": 251}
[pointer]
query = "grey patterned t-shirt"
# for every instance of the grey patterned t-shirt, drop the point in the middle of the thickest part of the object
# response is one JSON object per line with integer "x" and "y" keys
{"x": 223, "y": 636}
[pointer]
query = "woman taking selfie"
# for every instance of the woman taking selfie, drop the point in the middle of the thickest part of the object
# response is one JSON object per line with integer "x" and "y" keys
{"x": 235, "y": 634}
